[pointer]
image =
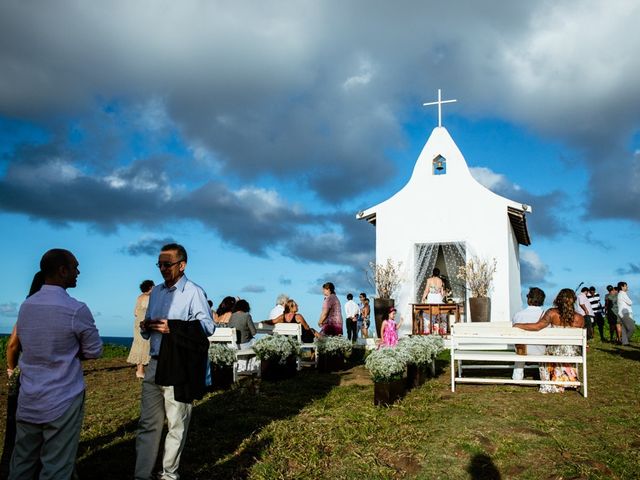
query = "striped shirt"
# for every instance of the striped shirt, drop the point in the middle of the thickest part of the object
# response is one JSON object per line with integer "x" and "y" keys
{"x": 595, "y": 303}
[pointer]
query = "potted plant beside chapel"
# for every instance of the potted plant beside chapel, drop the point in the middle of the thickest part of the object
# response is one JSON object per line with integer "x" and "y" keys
{"x": 278, "y": 355}
{"x": 478, "y": 273}
{"x": 332, "y": 351}
{"x": 387, "y": 366}
{"x": 385, "y": 278}
{"x": 222, "y": 360}
{"x": 420, "y": 352}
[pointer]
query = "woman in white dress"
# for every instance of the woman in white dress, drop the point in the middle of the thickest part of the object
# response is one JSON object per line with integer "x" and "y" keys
{"x": 434, "y": 294}
{"x": 139, "y": 354}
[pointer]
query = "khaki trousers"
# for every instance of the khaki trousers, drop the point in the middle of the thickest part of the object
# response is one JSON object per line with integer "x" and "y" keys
{"x": 157, "y": 404}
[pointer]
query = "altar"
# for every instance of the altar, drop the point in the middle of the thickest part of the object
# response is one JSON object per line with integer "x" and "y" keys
{"x": 420, "y": 309}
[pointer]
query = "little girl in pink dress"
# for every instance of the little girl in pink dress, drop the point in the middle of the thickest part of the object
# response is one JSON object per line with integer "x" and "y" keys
{"x": 389, "y": 330}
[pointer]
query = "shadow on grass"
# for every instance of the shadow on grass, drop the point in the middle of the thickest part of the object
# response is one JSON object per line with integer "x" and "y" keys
{"x": 224, "y": 438}
{"x": 623, "y": 352}
{"x": 482, "y": 467}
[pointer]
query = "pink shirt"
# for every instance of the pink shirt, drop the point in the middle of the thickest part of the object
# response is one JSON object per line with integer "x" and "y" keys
{"x": 333, "y": 323}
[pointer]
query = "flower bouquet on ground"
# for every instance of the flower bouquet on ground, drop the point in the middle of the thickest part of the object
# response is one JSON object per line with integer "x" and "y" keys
{"x": 278, "y": 356}
{"x": 222, "y": 359}
{"x": 332, "y": 351}
{"x": 387, "y": 367}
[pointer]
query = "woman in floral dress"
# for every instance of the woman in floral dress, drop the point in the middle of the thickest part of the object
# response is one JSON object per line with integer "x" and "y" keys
{"x": 562, "y": 315}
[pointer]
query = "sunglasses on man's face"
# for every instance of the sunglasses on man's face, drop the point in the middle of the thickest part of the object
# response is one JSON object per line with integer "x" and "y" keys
{"x": 167, "y": 264}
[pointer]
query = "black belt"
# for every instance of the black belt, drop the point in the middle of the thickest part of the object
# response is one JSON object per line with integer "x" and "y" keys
{"x": 155, "y": 357}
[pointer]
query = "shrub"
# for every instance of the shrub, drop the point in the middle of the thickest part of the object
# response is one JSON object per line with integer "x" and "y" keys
{"x": 220, "y": 354}
{"x": 386, "y": 364}
{"x": 421, "y": 349}
{"x": 277, "y": 347}
{"x": 330, "y": 345}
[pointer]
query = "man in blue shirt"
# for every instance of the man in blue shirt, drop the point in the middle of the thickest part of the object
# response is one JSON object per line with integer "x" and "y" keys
{"x": 177, "y": 298}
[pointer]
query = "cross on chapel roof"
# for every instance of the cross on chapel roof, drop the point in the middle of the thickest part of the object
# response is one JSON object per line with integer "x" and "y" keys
{"x": 439, "y": 103}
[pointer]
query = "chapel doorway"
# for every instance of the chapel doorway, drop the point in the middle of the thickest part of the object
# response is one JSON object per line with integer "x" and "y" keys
{"x": 448, "y": 257}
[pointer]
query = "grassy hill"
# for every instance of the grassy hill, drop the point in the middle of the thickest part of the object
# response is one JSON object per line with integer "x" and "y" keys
{"x": 325, "y": 426}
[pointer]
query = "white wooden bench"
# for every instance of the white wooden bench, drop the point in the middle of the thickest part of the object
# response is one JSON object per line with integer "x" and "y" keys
{"x": 493, "y": 342}
{"x": 228, "y": 336}
{"x": 295, "y": 330}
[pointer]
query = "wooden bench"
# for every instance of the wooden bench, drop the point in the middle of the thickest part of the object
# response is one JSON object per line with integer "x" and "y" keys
{"x": 494, "y": 341}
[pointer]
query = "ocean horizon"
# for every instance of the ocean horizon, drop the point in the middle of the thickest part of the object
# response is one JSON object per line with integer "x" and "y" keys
{"x": 122, "y": 341}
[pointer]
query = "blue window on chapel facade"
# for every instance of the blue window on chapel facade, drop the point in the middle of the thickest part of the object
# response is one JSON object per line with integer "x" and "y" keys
{"x": 439, "y": 165}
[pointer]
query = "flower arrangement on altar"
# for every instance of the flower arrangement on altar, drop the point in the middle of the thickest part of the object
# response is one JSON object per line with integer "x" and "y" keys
{"x": 277, "y": 347}
{"x": 478, "y": 273}
{"x": 384, "y": 278}
{"x": 221, "y": 355}
{"x": 420, "y": 349}
{"x": 333, "y": 345}
{"x": 386, "y": 364}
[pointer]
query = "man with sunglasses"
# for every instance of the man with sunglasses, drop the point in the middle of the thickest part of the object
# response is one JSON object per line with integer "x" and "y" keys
{"x": 177, "y": 298}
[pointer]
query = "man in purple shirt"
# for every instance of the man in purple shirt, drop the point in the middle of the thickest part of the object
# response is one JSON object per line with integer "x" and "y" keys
{"x": 55, "y": 331}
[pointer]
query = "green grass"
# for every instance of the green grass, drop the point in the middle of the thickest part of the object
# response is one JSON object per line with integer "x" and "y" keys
{"x": 326, "y": 426}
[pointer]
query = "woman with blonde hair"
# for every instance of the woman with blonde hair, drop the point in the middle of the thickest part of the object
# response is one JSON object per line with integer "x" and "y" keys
{"x": 291, "y": 315}
{"x": 562, "y": 315}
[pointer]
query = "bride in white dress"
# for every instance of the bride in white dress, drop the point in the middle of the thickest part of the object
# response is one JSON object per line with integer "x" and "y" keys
{"x": 434, "y": 294}
{"x": 434, "y": 289}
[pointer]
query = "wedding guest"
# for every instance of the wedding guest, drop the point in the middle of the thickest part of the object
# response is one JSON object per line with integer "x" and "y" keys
{"x": 365, "y": 312}
{"x": 222, "y": 315}
{"x": 562, "y": 315}
{"x": 351, "y": 311}
{"x": 531, "y": 314}
{"x": 625, "y": 313}
{"x": 176, "y": 301}
{"x": 291, "y": 315}
{"x": 596, "y": 306}
{"x": 389, "y": 330}
{"x": 330, "y": 320}
{"x": 55, "y": 332}
{"x": 584, "y": 307}
{"x": 245, "y": 331}
{"x": 611, "y": 308}
{"x": 139, "y": 353}
{"x": 12, "y": 357}
{"x": 279, "y": 308}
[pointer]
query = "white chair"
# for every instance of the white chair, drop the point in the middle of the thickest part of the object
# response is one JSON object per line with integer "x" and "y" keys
{"x": 228, "y": 336}
{"x": 295, "y": 330}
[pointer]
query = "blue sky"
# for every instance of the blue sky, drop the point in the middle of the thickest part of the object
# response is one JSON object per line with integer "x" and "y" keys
{"x": 253, "y": 133}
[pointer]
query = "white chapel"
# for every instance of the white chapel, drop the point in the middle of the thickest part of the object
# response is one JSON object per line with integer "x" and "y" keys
{"x": 441, "y": 218}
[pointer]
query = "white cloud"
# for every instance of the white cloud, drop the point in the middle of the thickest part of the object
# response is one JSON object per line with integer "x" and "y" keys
{"x": 534, "y": 271}
{"x": 491, "y": 179}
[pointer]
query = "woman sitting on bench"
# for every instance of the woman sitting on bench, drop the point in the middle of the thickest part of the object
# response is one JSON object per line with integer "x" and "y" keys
{"x": 561, "y": 316}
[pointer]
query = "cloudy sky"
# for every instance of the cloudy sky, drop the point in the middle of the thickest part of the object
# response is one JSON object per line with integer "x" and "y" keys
{"x": 252, "y": 132}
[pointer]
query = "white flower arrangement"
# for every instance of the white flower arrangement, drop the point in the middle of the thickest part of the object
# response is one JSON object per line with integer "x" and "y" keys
{"x": 421, "y": 349}
{"x": 386, "y": 364}
{"x": 478, "y": 274}
{"x": 333, "y": 345}
{"x": 385, "y": 278}
{"x": 220, "y": 354}
{"x": 277, "y": 347}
